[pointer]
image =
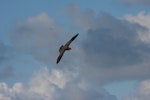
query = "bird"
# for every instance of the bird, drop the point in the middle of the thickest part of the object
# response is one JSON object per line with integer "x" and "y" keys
{"x": 65, "y": 47}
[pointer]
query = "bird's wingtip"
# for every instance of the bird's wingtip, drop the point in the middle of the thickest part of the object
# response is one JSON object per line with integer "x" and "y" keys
{"x": 77, "y": 34}
{"x": 57, "y": 62}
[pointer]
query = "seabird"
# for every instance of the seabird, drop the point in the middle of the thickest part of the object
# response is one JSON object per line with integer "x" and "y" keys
{"x": 62, "y": 48}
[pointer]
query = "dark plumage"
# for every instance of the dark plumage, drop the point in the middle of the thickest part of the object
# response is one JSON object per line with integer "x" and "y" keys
{"x": 62, "y": 49}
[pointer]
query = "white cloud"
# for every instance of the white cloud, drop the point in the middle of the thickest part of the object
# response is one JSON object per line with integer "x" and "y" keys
{"x": 142, "y": 19}
{"x": 51, "y": 85}
{"x": 42, "y": 86}
{"x": 44, "y": 82}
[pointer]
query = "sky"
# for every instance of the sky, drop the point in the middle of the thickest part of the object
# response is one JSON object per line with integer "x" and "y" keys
{"x": 109, "y": 59}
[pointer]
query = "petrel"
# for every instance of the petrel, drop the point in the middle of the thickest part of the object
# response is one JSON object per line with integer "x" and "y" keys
{"x": 62, "y": 48}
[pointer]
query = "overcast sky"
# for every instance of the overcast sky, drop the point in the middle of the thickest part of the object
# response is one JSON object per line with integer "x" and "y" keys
{"x": 109, "y": 59}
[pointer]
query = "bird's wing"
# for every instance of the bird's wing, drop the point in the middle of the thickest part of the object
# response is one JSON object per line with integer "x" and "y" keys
{"x": 68, "y": 43}
{"x": 60, "y": 56}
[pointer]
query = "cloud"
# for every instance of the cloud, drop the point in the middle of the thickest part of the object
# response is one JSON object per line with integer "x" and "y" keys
{"x": 142, "y": 93}
{"x": 113, "y": 38}
{"x": 112, "y": 48}
{"x": 38, "y": 36}
{"x": 41, "y": 37}
{"x": 141, "y": 18}
{"x": 51, "y": 85}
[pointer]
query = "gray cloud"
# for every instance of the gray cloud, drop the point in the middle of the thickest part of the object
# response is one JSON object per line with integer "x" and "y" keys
{"x": 41, "y": 37}
{"x": 38, "y": 36}
{"x": 79, "y": 94}
{"x": 114, "y": 43}
{"x": 112, "y": 49}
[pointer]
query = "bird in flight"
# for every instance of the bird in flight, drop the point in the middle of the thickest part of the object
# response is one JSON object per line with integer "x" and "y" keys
{"x": 62, "y": 48}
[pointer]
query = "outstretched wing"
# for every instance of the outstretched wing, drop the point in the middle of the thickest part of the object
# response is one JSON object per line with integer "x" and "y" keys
{"x": 60, "y": 56}
{"x": 68, "y": 43}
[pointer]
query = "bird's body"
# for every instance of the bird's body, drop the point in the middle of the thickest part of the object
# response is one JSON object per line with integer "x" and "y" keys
{"x": 62, "y": 49}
